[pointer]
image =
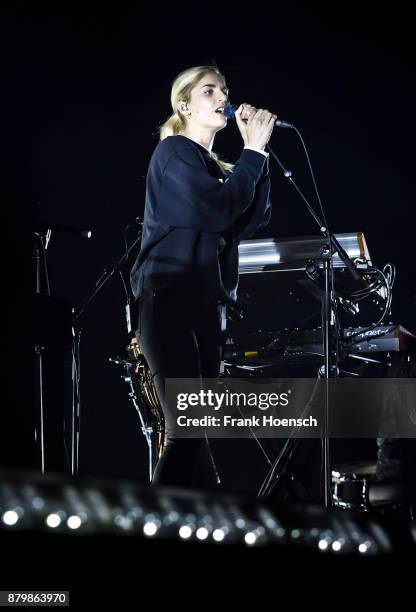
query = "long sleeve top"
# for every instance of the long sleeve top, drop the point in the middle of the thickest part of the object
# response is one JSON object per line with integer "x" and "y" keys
{"x": 194, "y": 219}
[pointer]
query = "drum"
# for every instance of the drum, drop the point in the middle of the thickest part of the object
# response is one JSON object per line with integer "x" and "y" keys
{"x": 350, "y": 485}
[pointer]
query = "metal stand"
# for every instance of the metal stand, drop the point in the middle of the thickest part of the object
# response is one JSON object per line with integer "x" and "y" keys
{"x": 76, "y": 402}
{"x": 145, "y": 401}
{"x": 41, "y": 277}
{"x": 330, "y": 370}
{"x": 280, "y": 466}
{"x": 150, "y": 432}
{"x": 39, "y": 416}
{"x": 76, "y": 333}
{"x": 70, "y": 421}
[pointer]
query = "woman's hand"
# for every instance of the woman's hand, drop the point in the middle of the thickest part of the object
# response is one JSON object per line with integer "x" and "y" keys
{"x": 255, "y": 125}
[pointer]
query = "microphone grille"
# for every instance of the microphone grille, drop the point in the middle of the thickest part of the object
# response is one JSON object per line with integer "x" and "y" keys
{"x": 229, "y": 111}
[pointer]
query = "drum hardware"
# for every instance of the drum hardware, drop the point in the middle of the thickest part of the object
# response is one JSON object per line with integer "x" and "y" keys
{"x": 350, "y": 485}
{"x": 145, "y": 401}
{"x": 355, "y": 487}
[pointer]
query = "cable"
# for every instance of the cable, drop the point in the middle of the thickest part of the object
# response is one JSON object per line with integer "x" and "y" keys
{"x": 313, "y": 180}
{"x": 125, "y": 287}
{"x": 388, "y": 275}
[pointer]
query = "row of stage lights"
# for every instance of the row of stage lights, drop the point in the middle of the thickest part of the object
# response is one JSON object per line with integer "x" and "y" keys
{"x": 37, "y": 503}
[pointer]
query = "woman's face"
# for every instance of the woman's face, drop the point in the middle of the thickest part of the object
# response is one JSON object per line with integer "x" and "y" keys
{"x": 207, "y": 101}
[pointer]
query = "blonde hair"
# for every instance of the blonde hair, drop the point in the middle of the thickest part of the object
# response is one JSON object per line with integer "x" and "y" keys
{"x": 181, "y": 91}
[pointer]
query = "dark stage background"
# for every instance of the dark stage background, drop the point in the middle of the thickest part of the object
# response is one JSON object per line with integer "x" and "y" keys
{"x": 87, "y": 91}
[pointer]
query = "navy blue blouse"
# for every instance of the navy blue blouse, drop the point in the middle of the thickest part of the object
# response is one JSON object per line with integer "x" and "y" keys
{"x": 193, "y": 221}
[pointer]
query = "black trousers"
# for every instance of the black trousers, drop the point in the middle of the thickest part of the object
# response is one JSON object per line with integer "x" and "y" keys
{"x": 180, "y": 336}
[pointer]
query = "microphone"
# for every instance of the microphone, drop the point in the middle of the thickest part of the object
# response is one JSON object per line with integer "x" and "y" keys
{"x": 229, "y": 112}
{"x": 75, "y": 231}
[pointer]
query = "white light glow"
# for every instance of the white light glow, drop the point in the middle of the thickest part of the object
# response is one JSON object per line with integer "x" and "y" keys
{"x": 202, "y": 533}
{"x": 150, "y": 528}
{"x": 250, "y": 538}
{"x": 10, "y": 517}
{"x": 218, "y": 535}
{"x": 171, "y": 518}
{"x": 38, "y": 503}
{"x": 124, "y": 522}
{"x": 74, "y": 522}
{"x": 185, "y": 532}
{"x": 53, "y": 520}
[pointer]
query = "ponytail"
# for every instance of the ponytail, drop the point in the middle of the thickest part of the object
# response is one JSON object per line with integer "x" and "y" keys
{"x": 175, "y": 124}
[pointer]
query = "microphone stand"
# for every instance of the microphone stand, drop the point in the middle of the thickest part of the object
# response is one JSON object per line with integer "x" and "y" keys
{"x": 42, "y": 288}
{"x": 76, "y": 331}
{"x": 330, "y": 246}
{"x": 104, "y": 278}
